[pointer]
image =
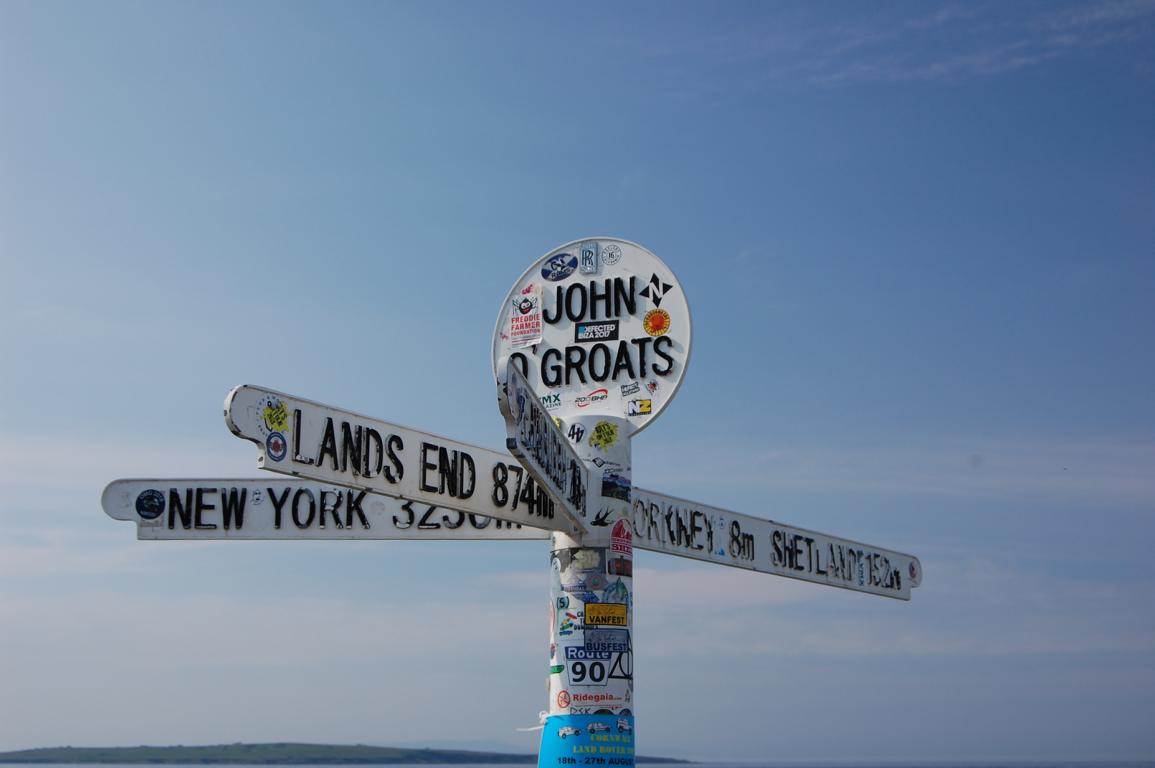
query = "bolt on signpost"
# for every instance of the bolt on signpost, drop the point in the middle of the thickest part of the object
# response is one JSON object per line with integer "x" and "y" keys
{"x": 590, "y": 345}
{"x": 596, "y": 335}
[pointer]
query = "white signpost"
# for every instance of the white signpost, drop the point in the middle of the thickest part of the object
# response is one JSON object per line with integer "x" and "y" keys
{"x": 290, "y": 509}
{"x": 686, "y": 528}
{"x": 206, "y": 509}
{"x": 307, "y": 439}
{"x": 590, "y": 345}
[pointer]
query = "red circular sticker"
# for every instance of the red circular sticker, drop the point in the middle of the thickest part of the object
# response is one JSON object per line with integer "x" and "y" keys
{"x": 657, "y": 322}
{"x": 563, "y": 700}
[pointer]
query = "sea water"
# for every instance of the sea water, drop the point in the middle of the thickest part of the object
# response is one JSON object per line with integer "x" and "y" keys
{"x": 992, "y": 763}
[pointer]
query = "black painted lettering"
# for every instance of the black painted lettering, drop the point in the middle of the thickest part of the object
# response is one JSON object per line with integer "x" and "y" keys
{"x": 599, "y": 358}
{"x": 599, "y": 297}
{"x": 447, "y": 482}
{"x": 622, "y": 295}
{"x": 203, "y": 506}
{"x": 623, "y": 361}
{"x": 425, "y": 523}
{"x": 575, "y": 358}
{"x": 579, "y": 312}
{"x": 653, "y": 522}
{"x": 184, "y": 511}
{"x": 643, "y": 346}
{"x": 661, "y": 344}
{"x": 278, "y": 505}
{"x": 297, "y": 507}
{"x": 557, "y": 304}
{"x": 328, "y": 445}
{"x": 351, "y": 442}
{"x": 297, "y": 457}
{"x": 467, "y": 477}
{"x": 551, "y": 369}
{"x": 777, "y": 555}
{"x": 353, "y": 506}
{"x": 407, "y": 508}
{"x": 426, "y": 465}
{"x": 331, "y": 506}
{"x": 393, "y": 445}
{"x": 374, "y": 454}
{"x": 521, "y": 363}
{"x": 233, "y": 508}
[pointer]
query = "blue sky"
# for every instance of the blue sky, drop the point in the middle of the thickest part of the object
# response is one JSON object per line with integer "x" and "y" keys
{"x": 917, "y": 242}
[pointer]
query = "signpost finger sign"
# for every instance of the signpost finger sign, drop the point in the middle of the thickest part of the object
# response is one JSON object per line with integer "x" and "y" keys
{"x": 303, "y": 438}
{"x": 200, "y": 509}
{"x": 290, "y": 509}
{"x": 591, "y": 344}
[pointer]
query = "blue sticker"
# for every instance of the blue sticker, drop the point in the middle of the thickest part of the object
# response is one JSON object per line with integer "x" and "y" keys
{"x": 150, "y": 504}
{"x": 275, "y": 446}
{"x": 559, "y": 267}
{"x": 571, "y": 739}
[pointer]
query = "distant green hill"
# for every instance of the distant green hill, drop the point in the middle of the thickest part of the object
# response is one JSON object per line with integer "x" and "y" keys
{"x": 271, "y": 754}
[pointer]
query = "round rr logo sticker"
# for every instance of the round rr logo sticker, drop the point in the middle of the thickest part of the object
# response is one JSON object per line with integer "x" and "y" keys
{"x": 563, "y": 700}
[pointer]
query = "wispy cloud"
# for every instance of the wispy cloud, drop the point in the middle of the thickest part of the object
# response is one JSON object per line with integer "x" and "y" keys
{"x": 951, "y": 42}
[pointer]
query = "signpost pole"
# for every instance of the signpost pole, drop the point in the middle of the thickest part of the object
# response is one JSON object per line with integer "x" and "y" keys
{"x": 591, "y": 685}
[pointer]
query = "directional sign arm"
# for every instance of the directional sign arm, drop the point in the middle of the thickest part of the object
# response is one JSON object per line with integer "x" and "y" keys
{"x": 303, "y": 438}
{"x": 254, "y": 509}
{"x": 542, "y": 448}
{"x": 688, "y": 529}
{"x": 321, "y": 443}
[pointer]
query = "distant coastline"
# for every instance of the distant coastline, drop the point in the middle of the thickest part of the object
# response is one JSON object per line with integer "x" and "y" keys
{"x": 274, "y": 754}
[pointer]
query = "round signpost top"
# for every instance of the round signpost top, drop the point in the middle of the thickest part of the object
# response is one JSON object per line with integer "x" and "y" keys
{"x": 599, "y": 326}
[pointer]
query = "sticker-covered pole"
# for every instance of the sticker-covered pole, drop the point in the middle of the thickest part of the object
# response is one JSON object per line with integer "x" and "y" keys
{"x": 591, "y": 680}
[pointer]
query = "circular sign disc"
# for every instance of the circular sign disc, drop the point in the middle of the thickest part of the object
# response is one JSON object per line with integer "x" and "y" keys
{"x": 598, "y": 326}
